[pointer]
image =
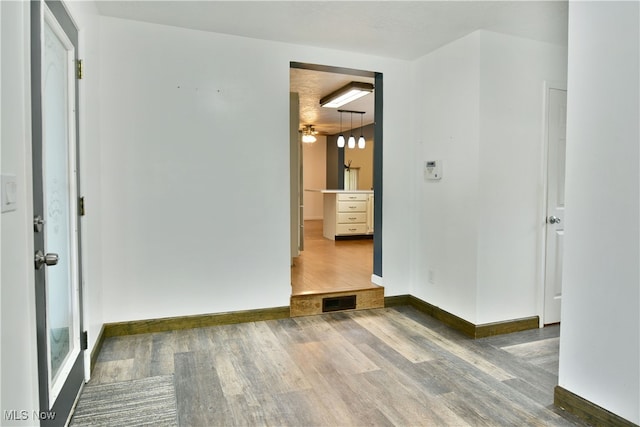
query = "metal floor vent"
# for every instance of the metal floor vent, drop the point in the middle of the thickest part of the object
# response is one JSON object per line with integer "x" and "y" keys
{"x": 347, "y": 302}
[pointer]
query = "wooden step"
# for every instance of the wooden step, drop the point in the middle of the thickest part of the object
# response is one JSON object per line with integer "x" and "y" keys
{"x": 346, "y": 300}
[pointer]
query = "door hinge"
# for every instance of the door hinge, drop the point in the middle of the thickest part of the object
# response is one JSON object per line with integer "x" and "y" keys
{"x": 81, "y": 210}
{"x": 80, "y": 69}
{"x": 84, "y": 340}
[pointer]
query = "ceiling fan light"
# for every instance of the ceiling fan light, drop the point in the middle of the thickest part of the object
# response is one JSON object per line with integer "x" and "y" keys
{"x": 361, "y": 142}
{"x": 309, "y": 134}
{"x": 341, "y": 141}
{"x": 352, "y": 142}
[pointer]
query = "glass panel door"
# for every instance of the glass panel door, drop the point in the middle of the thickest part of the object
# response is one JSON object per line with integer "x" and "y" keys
{"x": 56, "y": 235}
{"x": 59, "y": 215}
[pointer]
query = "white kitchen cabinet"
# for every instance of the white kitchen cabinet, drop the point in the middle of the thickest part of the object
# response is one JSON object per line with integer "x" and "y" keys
{"x": 347, "y": 213}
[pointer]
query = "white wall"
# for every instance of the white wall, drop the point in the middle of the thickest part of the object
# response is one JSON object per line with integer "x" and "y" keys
{"x": 449, "y": 92}
{"x": 1, "y": 406}
{"x": 481, "y": 100}
{"x": 314, "y": 176}
{"x": 600, "y": 332}
{"x": 511, "y": 172}
{"x": 18, "y": 328}
{"x": 191, "y": 224}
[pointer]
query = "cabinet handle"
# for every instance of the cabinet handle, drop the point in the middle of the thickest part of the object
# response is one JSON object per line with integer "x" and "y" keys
{"x": 352, "y": 218}
{"x": 353, "y": 207}
{"x": 352, "y": 229}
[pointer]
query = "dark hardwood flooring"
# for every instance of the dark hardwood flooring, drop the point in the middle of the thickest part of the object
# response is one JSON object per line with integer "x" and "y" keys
{"x": 391, "y": 366}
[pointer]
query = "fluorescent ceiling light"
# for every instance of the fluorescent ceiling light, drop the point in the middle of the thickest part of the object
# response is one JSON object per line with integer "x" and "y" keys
{"x": 346, "y": 94}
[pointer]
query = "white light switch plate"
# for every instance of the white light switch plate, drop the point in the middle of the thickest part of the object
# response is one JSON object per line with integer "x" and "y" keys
{"x": 9, "y": 193}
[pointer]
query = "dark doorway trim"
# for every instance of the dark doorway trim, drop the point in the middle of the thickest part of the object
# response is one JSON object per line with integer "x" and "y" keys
{"x": 377, "y": 150}
{"x": 377, "y": 177}
{"x": 335, "y": 70}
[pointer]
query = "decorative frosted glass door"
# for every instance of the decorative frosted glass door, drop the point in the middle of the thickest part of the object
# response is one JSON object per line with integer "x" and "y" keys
{"x": 56, "y": 232}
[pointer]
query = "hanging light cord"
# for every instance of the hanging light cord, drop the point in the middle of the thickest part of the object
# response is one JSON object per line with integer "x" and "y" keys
{"x": 352, "y": 124}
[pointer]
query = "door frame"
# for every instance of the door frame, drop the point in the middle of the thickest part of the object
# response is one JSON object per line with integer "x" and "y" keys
{"x": 376, "y": 276}
{"x": 67, "y": 397}
{"x": 542, "y": 218}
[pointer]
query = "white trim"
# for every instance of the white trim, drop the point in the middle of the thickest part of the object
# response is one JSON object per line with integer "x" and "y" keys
{"x": 377, "y": 280}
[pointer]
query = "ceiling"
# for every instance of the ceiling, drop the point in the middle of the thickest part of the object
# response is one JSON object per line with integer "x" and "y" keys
{"x": 394, "y": 29}
{"x": 314, "y": 85}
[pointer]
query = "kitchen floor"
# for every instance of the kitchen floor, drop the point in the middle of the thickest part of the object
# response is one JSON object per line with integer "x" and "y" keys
{"x": 331, "y": 265}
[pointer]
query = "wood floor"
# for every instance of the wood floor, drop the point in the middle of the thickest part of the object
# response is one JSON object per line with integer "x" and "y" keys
{"x": 329, "y": 266}
{"x": 383, "y": 367}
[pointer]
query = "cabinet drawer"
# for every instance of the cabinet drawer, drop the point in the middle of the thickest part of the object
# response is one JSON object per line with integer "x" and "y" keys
{"x": 351, "y": 217}
{"x": 357, "y": 206}
{"x": 352, "y": 196}
{"x": 345, "y": 229}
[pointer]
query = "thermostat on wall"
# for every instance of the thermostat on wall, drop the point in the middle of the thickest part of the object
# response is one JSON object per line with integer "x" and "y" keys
{"x": 433, "y": 170}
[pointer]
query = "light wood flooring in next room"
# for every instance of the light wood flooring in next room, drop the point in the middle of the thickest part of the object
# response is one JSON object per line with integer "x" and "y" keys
{"x": 385, "y": 367}
{"x": 331, "y": 266}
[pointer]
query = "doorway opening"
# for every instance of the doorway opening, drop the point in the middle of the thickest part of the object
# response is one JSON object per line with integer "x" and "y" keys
{"x": 325, "y": 260}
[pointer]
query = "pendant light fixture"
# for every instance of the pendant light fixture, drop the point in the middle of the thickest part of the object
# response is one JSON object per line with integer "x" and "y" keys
{"x": 341, "y": 136}
{"x": 361, "y": 140}
{"x": 352, "y": 140}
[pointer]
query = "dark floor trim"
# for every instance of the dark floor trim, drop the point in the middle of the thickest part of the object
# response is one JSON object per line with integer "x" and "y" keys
{"x": 469, "y": 329}
{"x": 197, "y": 321}
{"x": 96, "y": 349}
{"x": 203, "y": 320}
{"x": 396, "y": 300}
{"x": 590, "y": 412}
{"x": 507, "y": 326}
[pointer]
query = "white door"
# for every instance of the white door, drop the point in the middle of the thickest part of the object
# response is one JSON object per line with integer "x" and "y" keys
{"x": 556, "y": 141}
{"x": 55, "y": 193}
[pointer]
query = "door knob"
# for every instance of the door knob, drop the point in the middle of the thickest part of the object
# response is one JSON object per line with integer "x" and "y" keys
{"x": 553, "y": 220}
{"x": 42, "y": 259}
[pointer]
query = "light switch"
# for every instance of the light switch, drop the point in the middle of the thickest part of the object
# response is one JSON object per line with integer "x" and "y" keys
{"x": 9, "y": 190}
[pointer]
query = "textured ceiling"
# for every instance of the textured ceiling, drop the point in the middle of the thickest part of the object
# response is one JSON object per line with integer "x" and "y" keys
{"x": 314, "y": 85}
